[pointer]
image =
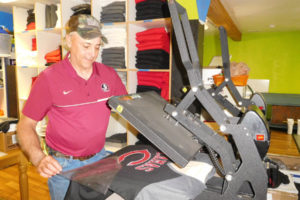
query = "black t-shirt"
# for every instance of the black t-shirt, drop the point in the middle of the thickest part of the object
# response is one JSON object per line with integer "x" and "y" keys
{"x": 146, "y": 173}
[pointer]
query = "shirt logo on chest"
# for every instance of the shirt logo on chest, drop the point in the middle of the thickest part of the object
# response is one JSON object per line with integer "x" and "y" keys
{"x": 65, "y": 92}
{"x": 104, "y": 87}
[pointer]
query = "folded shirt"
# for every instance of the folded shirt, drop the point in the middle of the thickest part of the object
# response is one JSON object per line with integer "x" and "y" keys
{"x": 145, "y": 88}
{"x": 160, "y": 30}
{"x": 30, "y": 26}
{"x": 156, "y": 79}
{"x": 83, "y": 12}
{"x": 114, "y": 50}
{"x": 53, "y": 56}
{"x": 79, "y": 7}
{"x": 162, "y": 46}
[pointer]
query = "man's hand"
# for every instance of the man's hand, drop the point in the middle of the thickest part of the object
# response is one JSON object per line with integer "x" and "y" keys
{"x": 48, "y": 167}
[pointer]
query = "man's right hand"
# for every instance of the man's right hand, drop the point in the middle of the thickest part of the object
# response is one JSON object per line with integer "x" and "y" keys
{"x": 48, "y": 167}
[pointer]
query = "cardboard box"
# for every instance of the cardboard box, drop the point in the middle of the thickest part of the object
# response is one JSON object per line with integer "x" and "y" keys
{"x": 8, "y": 141}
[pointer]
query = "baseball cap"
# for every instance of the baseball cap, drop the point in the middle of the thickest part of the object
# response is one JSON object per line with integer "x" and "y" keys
{"x": 86, "y": 26}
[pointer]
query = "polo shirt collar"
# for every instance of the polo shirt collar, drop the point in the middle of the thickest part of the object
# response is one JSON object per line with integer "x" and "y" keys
{"x": 72, "y": 71}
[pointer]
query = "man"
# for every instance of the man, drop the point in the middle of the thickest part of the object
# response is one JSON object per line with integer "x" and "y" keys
{"x": 73, "y": 94}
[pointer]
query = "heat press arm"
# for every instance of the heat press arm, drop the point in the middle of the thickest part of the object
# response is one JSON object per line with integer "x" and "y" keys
{"x": 180, "y": 134}
{"x": 244, "y": 173}
{"x": 255, "y": 99}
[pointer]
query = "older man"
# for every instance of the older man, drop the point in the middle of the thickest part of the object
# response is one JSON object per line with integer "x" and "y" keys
{"x": 73, "y": 94}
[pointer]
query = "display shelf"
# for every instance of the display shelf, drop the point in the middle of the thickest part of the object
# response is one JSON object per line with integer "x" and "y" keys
{"x": 97, "y": 9}
{"x": 20, "y": 18}
{"x": 66, "y": 10}
{"x": 44, "y": 46}
{"x": 3, "y": 94}
{"x": 135, "y": 27}
{"x": 24, "y": 80}
{"x": 49, "y": 39}
{"x": 40, "y": 9}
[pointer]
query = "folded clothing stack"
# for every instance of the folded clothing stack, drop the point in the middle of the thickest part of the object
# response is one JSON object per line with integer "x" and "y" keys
{"x": 114, "y": 57}
{"x": 153, "y": 49}
{"x": 151, "y": 9}
{"x": 30, "y": 20}
{"x": 53, "y": 56}
{"x": 154, "y": 81}
{"x": 113, "y": 12}
{"x": 50, "y": 15}
{"x": 81, "y": 9}
{"x": 113, "y": 53}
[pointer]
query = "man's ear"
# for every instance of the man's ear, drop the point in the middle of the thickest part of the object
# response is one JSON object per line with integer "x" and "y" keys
{"x": 69, "y": 40}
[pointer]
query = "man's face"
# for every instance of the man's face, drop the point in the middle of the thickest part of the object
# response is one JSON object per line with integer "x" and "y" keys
{"x": 83, "y": 52}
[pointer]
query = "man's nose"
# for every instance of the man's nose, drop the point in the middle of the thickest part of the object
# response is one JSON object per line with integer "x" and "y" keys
{"x": 92, "y": 52}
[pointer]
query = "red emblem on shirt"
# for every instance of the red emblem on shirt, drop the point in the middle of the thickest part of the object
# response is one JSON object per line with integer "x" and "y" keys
{"x": 144, "y": 164}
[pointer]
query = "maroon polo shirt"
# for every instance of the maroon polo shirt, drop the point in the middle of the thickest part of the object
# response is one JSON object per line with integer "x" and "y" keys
{"x": 77, "y": 109}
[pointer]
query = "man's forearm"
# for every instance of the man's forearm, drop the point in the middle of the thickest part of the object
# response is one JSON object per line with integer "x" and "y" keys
{"x": 29, "y": 142}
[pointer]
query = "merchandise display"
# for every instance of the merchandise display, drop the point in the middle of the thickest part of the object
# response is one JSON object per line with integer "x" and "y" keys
{"x": 157, "y": 81}
{"x": 51, "y": 16}
{"x": 30, "y": 20}
{"x": 113, "y": 12}
{"x": 149, "y": 9}
{"x": 82, "y": 9}
{"x": 153, "y": 49}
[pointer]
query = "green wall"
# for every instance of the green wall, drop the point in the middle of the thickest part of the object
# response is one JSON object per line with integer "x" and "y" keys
{"x": 273, "y": 55}
{"x": 191, "y": 8}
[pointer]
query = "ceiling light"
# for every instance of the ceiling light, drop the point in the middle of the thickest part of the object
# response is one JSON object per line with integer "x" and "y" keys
{"x": 272, "y": 25}
{"x": 6, "y": 1}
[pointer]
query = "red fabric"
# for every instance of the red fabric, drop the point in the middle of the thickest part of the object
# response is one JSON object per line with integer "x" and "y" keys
{"x": 160, "y": 30}
{"x": 142, "y": 47}
{"x": 155, "y": 38}
{"x": 33, "y": 45}
{"x": 53, "y": 56}
{"x": 151, "y": 38}
{"x": 30, "y": 26}
{"x": 157, "y": 79}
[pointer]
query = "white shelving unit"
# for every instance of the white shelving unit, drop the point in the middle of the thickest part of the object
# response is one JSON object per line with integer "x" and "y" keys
{"x": 31, "y": 63}
{"x": 50, "y": 39}
{"x": 3, "y": 95}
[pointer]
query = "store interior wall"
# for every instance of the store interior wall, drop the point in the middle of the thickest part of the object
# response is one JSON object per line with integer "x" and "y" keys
{"x": 270, "y": 55}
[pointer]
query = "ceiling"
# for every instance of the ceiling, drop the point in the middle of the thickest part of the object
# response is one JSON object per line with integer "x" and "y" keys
{"x": 264, "y": 15}
{"x": 248, "y": 15}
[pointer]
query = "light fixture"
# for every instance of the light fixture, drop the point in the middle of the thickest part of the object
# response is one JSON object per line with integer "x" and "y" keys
{"x": 7, "y": 1}
{"x": 272, "y": 25}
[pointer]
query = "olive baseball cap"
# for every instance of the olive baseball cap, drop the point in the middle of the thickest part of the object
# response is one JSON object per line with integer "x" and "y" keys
{"x": 86, "y": 26}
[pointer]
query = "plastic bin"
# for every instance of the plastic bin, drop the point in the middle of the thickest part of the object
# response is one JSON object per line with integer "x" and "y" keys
{"x": 5, "y": 43}
{"x": 240, "y": 80}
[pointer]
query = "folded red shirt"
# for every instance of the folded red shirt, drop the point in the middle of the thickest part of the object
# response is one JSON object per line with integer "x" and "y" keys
{"x": 151, "y": 38}
{"x": 157, "y": 79}
{"x": 53, "y": 56}
{"x": 30, "y": 26}
{"x": 142, "y": 47}
{"x": 152, "y": 31}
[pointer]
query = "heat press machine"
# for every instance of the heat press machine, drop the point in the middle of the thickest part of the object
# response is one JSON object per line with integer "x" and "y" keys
{"x": 255, "y": 99}
{"x": 237, "y": 152}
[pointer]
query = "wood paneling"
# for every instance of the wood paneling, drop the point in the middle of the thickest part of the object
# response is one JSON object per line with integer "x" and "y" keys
{"x": 219, "y": 16}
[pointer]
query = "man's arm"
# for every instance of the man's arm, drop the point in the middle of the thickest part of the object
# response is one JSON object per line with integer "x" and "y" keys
{"x": 28, "y": 139}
